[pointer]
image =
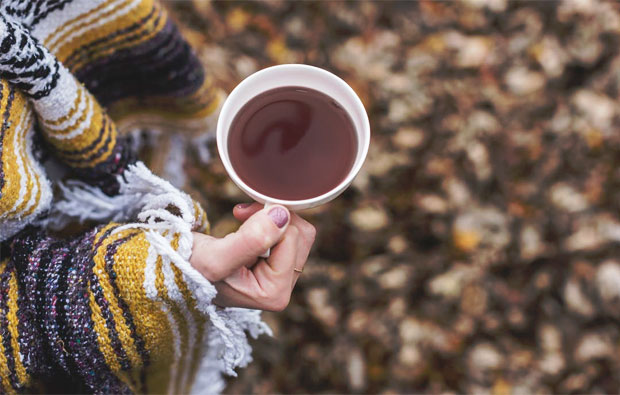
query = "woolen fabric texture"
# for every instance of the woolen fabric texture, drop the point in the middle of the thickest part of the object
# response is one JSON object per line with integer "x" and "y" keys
{"x": 117, "y": 308}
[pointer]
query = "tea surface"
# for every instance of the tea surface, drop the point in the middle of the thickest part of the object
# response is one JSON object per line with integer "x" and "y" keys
{"x": 292, "y": 143}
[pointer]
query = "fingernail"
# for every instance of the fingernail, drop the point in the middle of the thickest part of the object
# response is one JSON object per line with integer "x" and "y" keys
{"x": 279, "y": 216}
{"x": 244, "y": 205}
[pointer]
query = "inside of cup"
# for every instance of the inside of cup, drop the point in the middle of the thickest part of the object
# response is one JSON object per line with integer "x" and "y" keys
{"x": 302, "y": 76}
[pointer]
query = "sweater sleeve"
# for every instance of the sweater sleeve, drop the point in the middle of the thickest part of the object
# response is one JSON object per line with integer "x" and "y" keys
{"x": 77, "y": 129}
{"x": 109, "y": 310}
{"x": 130, "y": 55}
{"x": 126, "y": 71}
{"x": 117, "y": 309}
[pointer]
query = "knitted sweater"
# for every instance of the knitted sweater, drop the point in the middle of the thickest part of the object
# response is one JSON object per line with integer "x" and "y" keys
{"x": 118, "y": 308}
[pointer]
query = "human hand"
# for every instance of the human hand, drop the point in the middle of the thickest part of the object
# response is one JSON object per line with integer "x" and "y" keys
{"x": 233, "y": 265}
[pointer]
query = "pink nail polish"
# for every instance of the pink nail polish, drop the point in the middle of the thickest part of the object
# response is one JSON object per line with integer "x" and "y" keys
{"x": 244, "y": 205}
{"x": 279, "y": 216}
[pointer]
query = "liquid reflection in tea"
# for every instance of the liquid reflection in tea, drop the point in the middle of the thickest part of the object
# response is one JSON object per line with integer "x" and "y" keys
{"x": 292, "y": 143}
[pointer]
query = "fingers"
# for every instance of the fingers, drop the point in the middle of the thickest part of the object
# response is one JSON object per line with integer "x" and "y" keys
{"x": 244, "y": 211}
{"x": 308, "y": 231}
{"x": 257, "y": 234}
{"x": 269, "y": 284}
{"x": 306, "y": 240}
{"x": 283, "y": 256}
{"x": 239, "y": 290}
{"x": 275, "y": 275}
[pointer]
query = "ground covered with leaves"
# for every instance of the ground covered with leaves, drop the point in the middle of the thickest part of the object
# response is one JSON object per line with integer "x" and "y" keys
{"x": 479, "y": 248}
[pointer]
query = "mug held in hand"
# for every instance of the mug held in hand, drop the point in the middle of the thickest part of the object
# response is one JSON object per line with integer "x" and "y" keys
{"x": 294, "y": 135}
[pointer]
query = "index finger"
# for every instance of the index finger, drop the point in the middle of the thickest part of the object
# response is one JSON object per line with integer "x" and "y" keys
{"x": 282, "y": 260}
{"x": 244, "y": 211}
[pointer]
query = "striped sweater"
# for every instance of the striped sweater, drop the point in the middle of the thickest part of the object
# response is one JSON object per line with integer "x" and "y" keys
{"x": 118, "y": 308}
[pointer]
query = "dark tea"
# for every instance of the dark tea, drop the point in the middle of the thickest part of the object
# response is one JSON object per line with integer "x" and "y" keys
{"x": 292, "y": 143}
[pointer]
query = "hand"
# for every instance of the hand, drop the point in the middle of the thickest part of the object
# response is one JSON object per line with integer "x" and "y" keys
{"x": 233, "y": 265}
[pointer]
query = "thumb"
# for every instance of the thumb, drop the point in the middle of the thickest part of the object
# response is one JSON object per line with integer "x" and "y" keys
{"x": 257, "y": 234}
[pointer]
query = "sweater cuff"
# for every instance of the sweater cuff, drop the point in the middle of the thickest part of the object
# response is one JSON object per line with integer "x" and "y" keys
{"x": 167, "y": 218}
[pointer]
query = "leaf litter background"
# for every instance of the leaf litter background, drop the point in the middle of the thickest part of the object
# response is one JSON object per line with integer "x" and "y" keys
{"x": 479, "y": 249}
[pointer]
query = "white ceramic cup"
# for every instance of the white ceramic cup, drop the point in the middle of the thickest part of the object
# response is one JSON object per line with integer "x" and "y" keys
{"x": 307, "y": 77}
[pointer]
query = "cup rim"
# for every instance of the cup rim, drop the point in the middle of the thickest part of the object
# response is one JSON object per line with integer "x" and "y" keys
{"x": 325, "y": 197}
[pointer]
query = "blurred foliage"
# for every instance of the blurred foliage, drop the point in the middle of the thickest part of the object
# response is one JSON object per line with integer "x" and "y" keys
{"x": 478, "y": 250}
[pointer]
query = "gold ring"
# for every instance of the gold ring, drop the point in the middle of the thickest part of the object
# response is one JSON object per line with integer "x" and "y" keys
{"x": 298, "y": 270}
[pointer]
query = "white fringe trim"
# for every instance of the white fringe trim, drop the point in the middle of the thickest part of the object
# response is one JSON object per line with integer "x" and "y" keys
{"x": 145, "y": 197}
